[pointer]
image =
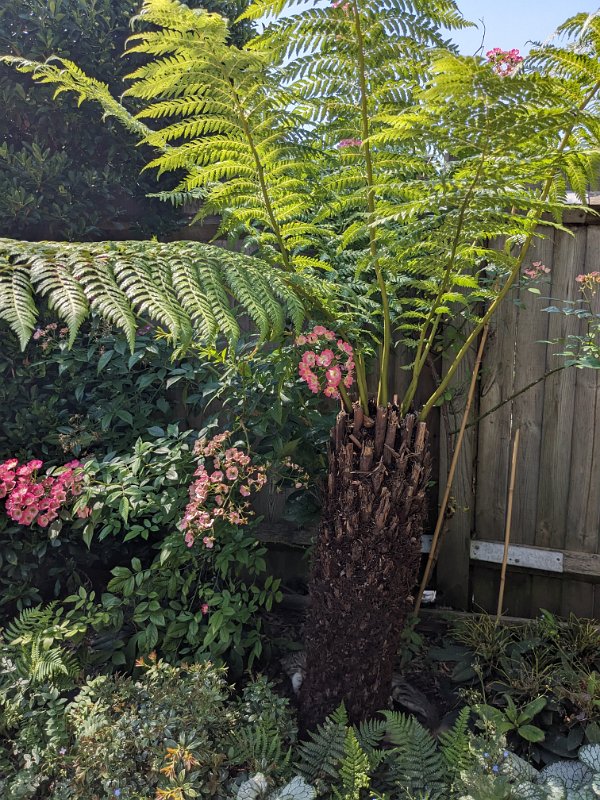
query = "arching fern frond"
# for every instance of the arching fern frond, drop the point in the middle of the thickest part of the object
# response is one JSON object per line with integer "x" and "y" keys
{"x": 194, "y": 291}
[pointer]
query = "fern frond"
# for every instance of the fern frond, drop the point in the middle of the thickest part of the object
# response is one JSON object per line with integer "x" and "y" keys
{"x": 455, "y": 746}
{"x": 185, "y": 287}
{"x": 415, "y": 765}
{"x": 354, "y": 770}
{"x": 323, "y": 753}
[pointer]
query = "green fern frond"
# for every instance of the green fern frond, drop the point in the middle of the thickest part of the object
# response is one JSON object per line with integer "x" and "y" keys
{"x": 187, "y": 288}
{"x": 323, "y": 753}
{"x": 455, "y": 746}
{"x": 37, "y": 641}
{"x": 415, "y": 764}
{"x": 354, "y": 770}
{"x": 259, "y": 748}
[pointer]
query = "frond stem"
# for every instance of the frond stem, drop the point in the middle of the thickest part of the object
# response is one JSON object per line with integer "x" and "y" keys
{"x": 534, "y": 220}
{"x": 424, "y": 347}
{"x": 382, "y": 391}
{"x": 260, "y": 173}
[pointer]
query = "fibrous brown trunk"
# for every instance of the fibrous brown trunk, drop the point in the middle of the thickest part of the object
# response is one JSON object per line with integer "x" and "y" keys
{"x": 365, "y": 562}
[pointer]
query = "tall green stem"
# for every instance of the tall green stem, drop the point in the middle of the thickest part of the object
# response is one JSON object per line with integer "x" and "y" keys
{"x": 382, "y": 391}
{"x": 260, "y": 174}
{"x": 534, "y": 220}
{"x": 433, "y": 318}
{"x": 361, "y": 381}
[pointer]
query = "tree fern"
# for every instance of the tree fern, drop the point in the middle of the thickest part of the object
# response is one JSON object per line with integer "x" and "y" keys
{"x": 345, "y": 134}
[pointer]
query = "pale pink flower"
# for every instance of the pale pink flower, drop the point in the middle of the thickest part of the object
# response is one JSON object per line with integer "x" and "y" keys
{"x": 325, "y": 359}
{"x": 333, "y": 375}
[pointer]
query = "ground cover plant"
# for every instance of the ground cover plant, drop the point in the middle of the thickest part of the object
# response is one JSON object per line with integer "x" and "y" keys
{"x": 370, "y": 167}
{"x": 538, "y": 682}
{"x": 168, "y": 732}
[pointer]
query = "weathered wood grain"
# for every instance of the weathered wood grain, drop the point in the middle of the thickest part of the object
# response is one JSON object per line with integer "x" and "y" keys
{"x": 527, "y": 411}
{"x": 583, "y": 510}
{"x": 453, "y": 562}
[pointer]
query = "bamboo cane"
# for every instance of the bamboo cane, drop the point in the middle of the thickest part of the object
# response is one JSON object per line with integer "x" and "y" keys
{"x": 442, "y": 512}
{"x": 511, "y": 491}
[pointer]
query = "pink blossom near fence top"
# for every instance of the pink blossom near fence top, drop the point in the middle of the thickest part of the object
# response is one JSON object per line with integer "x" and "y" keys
{"x": 504, "y": 62}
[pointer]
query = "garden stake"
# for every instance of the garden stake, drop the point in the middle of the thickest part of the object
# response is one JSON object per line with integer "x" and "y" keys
{"x": 511, "y": 491}
{"x": 442, "y": 512}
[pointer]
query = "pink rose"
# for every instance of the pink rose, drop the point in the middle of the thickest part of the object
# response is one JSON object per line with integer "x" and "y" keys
{"x": 333, "y": 375}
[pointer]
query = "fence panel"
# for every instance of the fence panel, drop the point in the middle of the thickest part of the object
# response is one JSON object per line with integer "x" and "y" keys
{"x": 557, "y": 495}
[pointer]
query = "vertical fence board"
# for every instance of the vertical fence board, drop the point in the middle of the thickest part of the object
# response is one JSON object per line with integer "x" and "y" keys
{"x": 453, "y": 564}
{"x": 527, "y": 414}
{"x": 583, "y": 510}
{"x": 493, "y": 441}
{"x": 559, "y": 403}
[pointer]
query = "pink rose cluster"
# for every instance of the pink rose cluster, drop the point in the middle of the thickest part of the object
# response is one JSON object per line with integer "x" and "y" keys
{"x": 504, "y": 62}
{"x": 32, "y": 498}
{"x": 219, "y": 493}
{"x": 336, "y": 366}
{"x": 536, "y": 269}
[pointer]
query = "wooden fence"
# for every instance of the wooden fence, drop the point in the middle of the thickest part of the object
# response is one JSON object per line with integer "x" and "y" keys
{"x": 555, "y": 552}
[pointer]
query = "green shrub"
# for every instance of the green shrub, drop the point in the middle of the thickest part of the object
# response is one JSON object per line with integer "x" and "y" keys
{"x": 539, "y": 681}
{"x": 169, "y": 728}
{"x": 61, "y": 178}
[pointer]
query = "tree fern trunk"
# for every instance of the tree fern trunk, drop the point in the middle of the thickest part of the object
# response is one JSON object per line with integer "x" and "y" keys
{"x": 366, "y": 561}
